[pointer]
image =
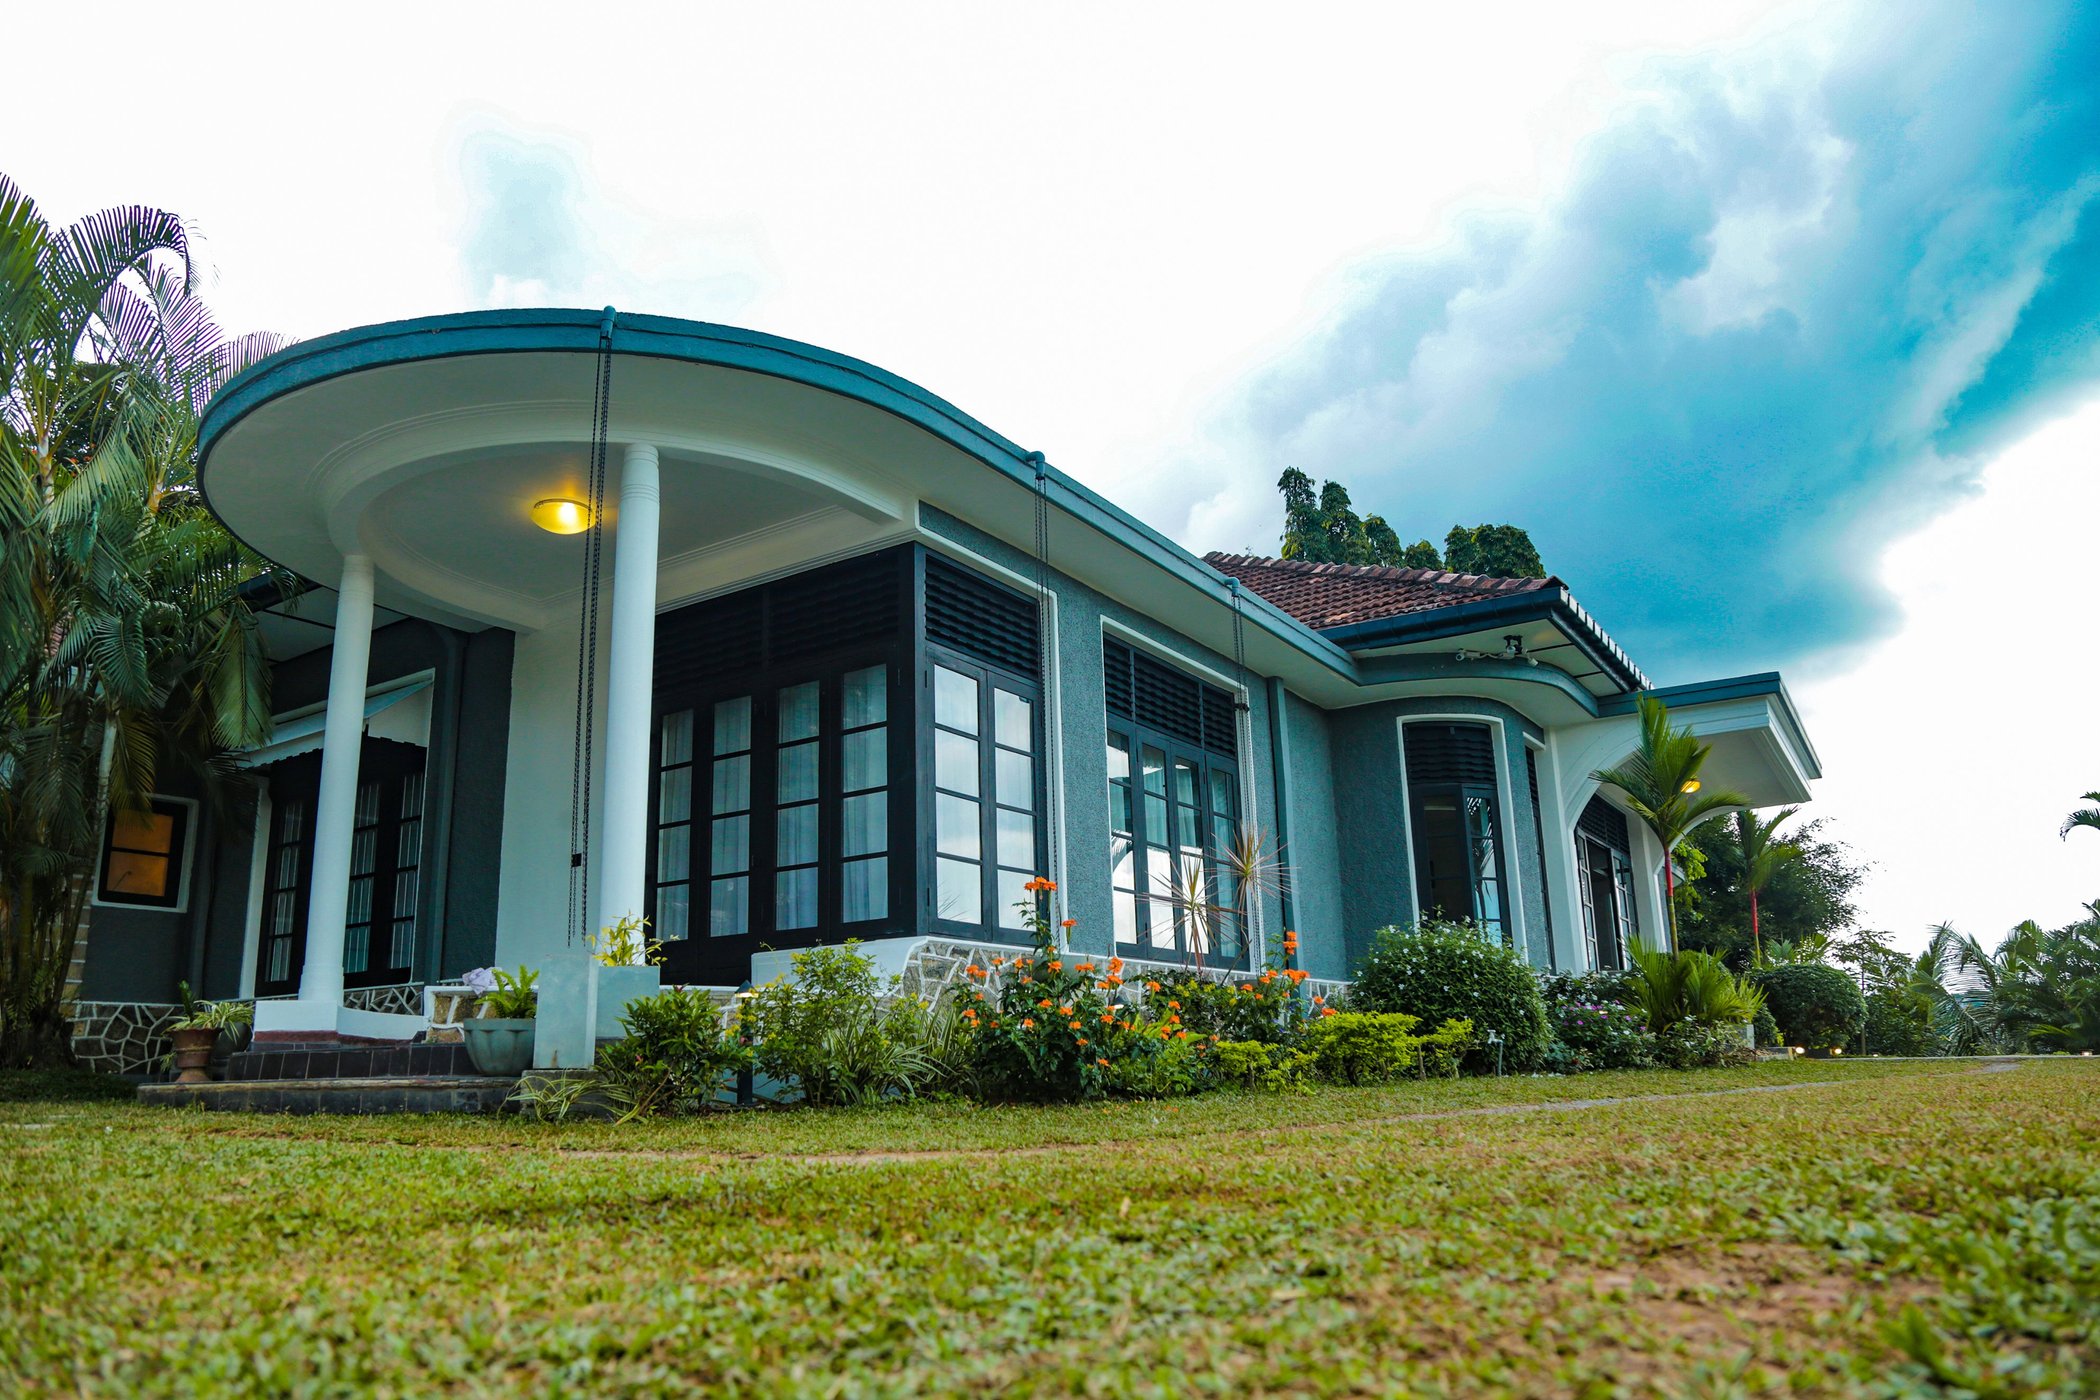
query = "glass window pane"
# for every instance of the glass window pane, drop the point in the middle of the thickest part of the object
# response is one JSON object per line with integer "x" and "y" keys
{"x": 795, "y": 899}
{"x": 1013, "y": 719}
{"x": 955, "y": 762}
{"x": 1222, "y": 801}
{"x": 1016, "y": 778}
{"x": 674, "y": 852}
{"x": 1155, "y": 765}
{"x": 673, "y": 913}
{"x": 1126, "y": 916}
{"x": 1122, "y": 863}
{"x": 798, "y": 773}
{"x": 733, "y": 784}
{"x": 412, "y": 796}
{"x": 956, "y": 826}
{"x": 1159, "y": 912}
{"x": 134, "y": 874}
{"x": 867, "y": 890}
{"x": 1012, "y": 897}
{"x": 143, "y": 831}
{"x": 729, "y": 906}
{"x": 674, "y": 801}
{"x": 1118, "y": 757}
{"x": 677, "y": 738}
{"x": 867, "y": 697}
{"x": 798, "y": 712}
{"x": 408, "y": 845}
{"x": 1185, "y": 808}
{"x": 1119, "y": 806}
{"x": 1016, "y": 839}
{"x": 867, "y": 758}
{"x": 955, "y": 699}
{"x": 958, "y": 891}
{"x": 797, "y": 827}
{"x": 733, "y": 725}
{"x": 867, "y": 824}
{"x": 729, "y": 849}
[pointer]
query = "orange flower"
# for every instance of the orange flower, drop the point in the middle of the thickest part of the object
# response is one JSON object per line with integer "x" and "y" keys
{"x": 1296, "y": 974}
{"x": 1319, "y": 1001}
{"x": 1115, "y": 964}
{"x": 1057, "y": 967}
{"x": 1267, "y": 975}
{"x": 1173, "y": 1006}
{"x": 1290, "y": 941}
{"x": 1040, "y": 886}
{"x": 1083, "y": 967}
{"x": 1107, "y": 1020}
{"x": 1068, "y": 923}
{"x": 1101, "y": 1062}
{"x": 1064, "y": 1010}
{"x": 1181, "y": 1035}
{"x": 1327, "y": 1011}
{"x": 1082, "y": 1039}
{"x": 1028, "y": 1023}
{"x": 1044, "y": 1003}
{"x": 1075, "y": 1026}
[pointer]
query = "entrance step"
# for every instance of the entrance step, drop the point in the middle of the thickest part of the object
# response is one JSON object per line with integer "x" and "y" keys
{"x": 426, "y": 1094}
{"x": 340, "y": 1061}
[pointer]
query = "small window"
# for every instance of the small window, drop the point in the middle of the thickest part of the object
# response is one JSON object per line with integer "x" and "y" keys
{"x": 143, "y": 855}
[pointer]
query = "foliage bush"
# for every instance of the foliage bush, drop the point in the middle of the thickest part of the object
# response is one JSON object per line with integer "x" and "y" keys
{"x": 1595, "y": 1035}
{"x": 1372, "y": 1047}
{"x": 515, "y": 997}
{"x": 1767, "y": 1028}
{"x": 1060, "y": 1028}
{"x": 1667, "y": 988}
{"x": 1264, "y": 1008}
{"x": 1816, "y": 1005}
{"x": 1256, "y": 1064}
{"x": 1702, "y": 1045}
{"x": 675, "y": 1055}
{"x": 1440, "y": 971}
{"x": 1900, "y": 1024}
{"x": 829, "y": 1030}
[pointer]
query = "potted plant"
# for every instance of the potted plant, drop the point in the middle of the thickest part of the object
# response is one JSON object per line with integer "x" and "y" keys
{"x": 197, "y": 1030}
{"x": 499, "y": 1039}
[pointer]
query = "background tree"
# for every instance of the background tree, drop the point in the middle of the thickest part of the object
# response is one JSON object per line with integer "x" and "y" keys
{"x": 1499, "y": 551}
{"x": 2038, "y": 989}
{"x": 126, "y": 651}
{"x": 1805, "y": 902}
{"x": 1421, "y": 555}
{"x": 1661, "y": 785}
{"x": 2084, "y": 816}
{"x": 1763, "y": 857}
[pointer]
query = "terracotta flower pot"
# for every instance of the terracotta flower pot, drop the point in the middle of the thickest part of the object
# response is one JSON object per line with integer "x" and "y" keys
{"x": 193, "y": 1054}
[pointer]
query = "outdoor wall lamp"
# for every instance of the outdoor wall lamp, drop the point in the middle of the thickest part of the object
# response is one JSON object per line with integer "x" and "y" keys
{"x": 1691, "y": 785}
{"x": 1512, "y": 650}
{"x": 558, "y": 515}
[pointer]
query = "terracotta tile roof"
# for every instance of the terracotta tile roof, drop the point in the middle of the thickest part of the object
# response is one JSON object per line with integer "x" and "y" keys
{"x": 1335, "y": 595}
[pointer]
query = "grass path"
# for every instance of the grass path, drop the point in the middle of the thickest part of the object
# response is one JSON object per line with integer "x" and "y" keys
{"x": 1873, "y": 1230}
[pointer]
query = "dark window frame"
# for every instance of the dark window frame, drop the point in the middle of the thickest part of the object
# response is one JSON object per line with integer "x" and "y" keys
{"x": 990, "y": 678}
{"x": 1210, "y": 715}
{"x": 1462, "y": 793}
{"x": 180, "y": 812}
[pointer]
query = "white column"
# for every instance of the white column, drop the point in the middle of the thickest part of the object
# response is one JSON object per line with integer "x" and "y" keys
{"x": 630, "y": 681}
{"x": 335, "y": 810}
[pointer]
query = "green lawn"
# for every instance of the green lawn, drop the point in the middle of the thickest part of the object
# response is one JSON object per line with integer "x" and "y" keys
{"x": 1863, "y": 1228}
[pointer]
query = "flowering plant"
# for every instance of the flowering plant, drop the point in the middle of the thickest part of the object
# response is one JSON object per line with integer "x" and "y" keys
{"x": 1059, "y": 1026}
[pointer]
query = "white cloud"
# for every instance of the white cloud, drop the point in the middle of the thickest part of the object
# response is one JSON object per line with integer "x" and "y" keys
{"x": 1955, "y": 747}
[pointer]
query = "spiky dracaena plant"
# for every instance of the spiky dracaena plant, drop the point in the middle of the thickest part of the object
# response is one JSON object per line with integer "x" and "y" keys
{"x": 125, "y": 647}
{"x": 1221, "y": 901}
{"x": 1661, "y": 785}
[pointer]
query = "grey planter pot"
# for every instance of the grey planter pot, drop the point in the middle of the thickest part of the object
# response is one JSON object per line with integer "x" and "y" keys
{"x": 501, "y": 1047}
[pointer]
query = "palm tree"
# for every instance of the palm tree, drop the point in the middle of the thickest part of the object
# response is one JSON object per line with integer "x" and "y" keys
{"x": 1661, "y": 784}
{"x": 1763, "y": 857}
{"x": 2084, "y": 816}
{"x": 2038, "y": 989}
{"x": 125, "y": 647}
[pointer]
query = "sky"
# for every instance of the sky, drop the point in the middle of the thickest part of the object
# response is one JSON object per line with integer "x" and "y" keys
{"x": 1778, "y": 326}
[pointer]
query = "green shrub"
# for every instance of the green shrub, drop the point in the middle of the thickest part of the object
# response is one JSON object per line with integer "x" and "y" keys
{"x": 831, "y": 1032}
{"x": 1441, "y": 971}
{"x": 675, "y": 1055}
{"x": 1688, "y": 985}
{"x": 1702, "y": 1045}
{"x": 1372, "y": 1047}
{"x": 1256, "y": 1064}
{"x": 1767, "y": 1028}
{"x": 1596, "y": 1035}
{"x": 1059, "y": 1029}
{"x": 515, "y": 996}
{"x": 1263, "y": 1008}
{"x": 1900, "y": 1025}
{"x": 1817, "y": 1006}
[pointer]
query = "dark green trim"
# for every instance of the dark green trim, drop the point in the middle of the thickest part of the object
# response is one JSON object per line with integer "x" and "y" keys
{"x": 1543, "y": 604}
{"x": 1762, "y": 684}
{"x": 1386, "y": 670}
{"x": 572, "y": 331}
